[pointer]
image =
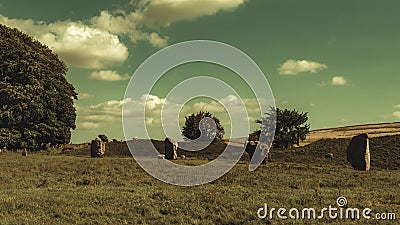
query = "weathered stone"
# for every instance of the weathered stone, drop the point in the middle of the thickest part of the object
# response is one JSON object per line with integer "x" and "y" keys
{"x": 251, "y": 148}
{"x": 97, "y": 148}
{"x": 358, "y": 153}
{"x": 103, "y": 138}
{"x": 171, "y": 148}
{"x": 329, "y": 156}
{"x": 24, "y": 152}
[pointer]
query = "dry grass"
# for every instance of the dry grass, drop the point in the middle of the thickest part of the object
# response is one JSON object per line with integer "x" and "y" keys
{"x": 76, "y": 189}
{"x": 54, "y": 188}
{"x": 373, "y": 130}
{"x": 56, "y": 192}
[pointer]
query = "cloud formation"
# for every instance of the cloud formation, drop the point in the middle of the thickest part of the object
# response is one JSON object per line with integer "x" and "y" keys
{"x": 95, "y": 117}
{"x": 337, "y": 80}
{"x": 129, "y": 24}
{"x": 293, "y": 67}
{"x": 396, "y": 114}
{"x": 75, "y": 43}
{"x": 87, "y": 125}
{"x": 108, "y": 75}
{"x": 96, "y": 43}
{"x": 166, "y": 12}
{"x": 158, "y": 13}
{"x": 101, "y": 115}
{"x": 85, "y": 96}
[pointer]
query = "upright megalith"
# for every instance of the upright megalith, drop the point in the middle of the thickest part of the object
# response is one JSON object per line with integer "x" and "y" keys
{"x": 329, "y": 156}
{"x": 251, "y": 147}
{"x": 358, "y": 153}
{"x": 171, "y": 148}
{"x": 24, "y": 152}
{"x": 98, "y": 146}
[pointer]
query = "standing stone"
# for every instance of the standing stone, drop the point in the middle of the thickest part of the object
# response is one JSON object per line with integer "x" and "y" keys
{"x": 358, "y": 153}
{"x": 24, "y": 152}
{"x": 264, "y": 148}
{"x": 251, "y": 148}
{"x": 97, "y": 148}
{"x": 329, "y": 156}
{"x": 171, "y": 148}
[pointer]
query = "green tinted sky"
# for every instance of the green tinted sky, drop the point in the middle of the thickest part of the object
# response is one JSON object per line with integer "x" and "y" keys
{"x": 357, "y": 42}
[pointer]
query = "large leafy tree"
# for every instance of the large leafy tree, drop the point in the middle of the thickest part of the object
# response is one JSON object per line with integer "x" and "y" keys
{"x": 36, "y": 100}
{"x": 193, "y": 127}
{"x": 291, "y": 127}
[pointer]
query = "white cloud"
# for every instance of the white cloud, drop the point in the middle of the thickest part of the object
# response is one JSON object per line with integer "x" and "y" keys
{"x": 230, "y": 102}
{"x": 166, "y": 12}
{"x": 156, "y": 13}
{"x": 153, "y": 106}
{"x": 152, "y": 102}
{"x": 87, "y": 125}
{"x": 105, "y": 114}
{"x": 96, "y": 44}
{"x": 117, "y": 24}
{"x": 77, "y": 44}
{"x": 85, "y": 96}
{"x": 336, "y": 80}
{"x": 293, "y": 67}
{"x": 158, "y": 41}
{"x": 108, "y": 75}
{"x": 129, "y": 25}
{"x": 396, "y": 114}
{"x": 99, "y": 116}
{"x": 339, "y": 80}
{"x": 396, "y": 106}
{"x": 111, "y": 109}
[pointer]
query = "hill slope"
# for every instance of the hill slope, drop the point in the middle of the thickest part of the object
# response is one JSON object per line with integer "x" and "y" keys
{"x": 373, "y": 130}
{"x": 385, "y": 152}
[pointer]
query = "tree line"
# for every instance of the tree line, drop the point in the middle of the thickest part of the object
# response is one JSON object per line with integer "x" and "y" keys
{"x": 37, "y": 102}
{"x": 291, "y": 127}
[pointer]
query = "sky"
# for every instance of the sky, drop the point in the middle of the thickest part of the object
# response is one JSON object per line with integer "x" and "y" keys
{"x": 336, "y": 60}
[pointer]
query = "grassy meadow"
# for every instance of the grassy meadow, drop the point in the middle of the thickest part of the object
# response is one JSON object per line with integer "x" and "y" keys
{"x": 53, "y": 188}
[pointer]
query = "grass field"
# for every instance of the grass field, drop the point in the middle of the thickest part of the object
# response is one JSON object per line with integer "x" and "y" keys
{"x": 75, "y": 189}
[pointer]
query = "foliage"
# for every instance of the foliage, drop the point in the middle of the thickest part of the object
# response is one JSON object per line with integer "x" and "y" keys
{"x": 104, "y": 138}
{"x": 212, "y": 130}
{"x": 36, "y": 100}
{"x": 291, "y": 127}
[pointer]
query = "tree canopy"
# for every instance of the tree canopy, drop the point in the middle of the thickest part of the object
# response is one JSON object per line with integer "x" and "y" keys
{"x": 36, "y": 100}
{"x": 193, "y": 128}
{"x": 291, "y": 127}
